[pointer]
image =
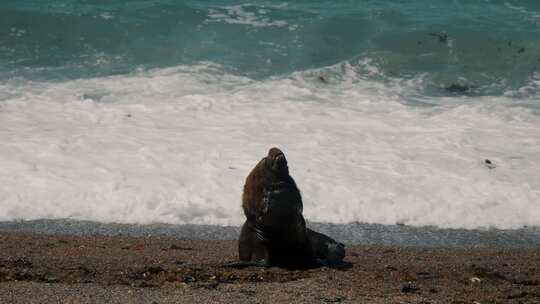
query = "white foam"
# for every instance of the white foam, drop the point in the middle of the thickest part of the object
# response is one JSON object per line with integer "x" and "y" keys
{"x": 246, "y": 14}
{"x": 175, "y": 145}
{"x": 531, "y": 16}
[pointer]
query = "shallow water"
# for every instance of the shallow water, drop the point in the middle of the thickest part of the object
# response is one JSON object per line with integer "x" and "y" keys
{"x": 490, "y": 46}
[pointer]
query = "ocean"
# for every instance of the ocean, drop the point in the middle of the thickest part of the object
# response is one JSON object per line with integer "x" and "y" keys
{"x": 417, "y": 114}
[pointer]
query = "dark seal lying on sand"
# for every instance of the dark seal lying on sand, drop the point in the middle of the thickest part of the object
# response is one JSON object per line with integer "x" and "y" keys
{"x": 275, "y": 232}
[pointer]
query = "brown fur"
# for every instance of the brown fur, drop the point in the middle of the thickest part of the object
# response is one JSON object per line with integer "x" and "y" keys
{"x": 261, "y": 179}
{"x": 275, "y": 232}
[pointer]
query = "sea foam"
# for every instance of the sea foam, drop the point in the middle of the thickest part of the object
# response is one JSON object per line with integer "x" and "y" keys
{"x": 174, "y": 146}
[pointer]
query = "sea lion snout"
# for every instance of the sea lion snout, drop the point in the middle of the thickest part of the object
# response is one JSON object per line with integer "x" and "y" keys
{"x": 277, "y": 161}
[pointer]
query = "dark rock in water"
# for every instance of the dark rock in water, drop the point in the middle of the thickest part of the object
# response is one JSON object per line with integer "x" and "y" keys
{"x": 459, "y": 88}
{"x": 521, "y": 50}
{"x": 443, "y": 36}
{"x": 96, "y": 97}
{"x": 489, "y": 164}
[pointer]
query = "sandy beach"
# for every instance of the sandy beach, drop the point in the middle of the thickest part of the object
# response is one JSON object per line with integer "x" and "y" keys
{"x": 39, "y": 268}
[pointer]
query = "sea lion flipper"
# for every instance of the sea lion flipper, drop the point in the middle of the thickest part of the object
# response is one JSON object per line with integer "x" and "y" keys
{"x": 327, "y": 250}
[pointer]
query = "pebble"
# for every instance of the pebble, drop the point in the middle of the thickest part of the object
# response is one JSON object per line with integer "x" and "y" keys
{"x": 475, "y": 280}
{"x": 408, "y": 287}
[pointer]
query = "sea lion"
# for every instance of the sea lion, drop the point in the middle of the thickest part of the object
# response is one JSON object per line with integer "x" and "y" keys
{"x": 328, "y": 251}
{"x": 275, "y": 233}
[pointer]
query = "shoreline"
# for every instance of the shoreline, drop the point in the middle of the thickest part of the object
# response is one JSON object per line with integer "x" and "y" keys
{"x": 37, "y": 268}
{"x": 351, "y": 234}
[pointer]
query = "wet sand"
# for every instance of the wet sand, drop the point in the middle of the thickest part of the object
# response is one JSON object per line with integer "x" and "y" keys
{"x": 39, "y": 268}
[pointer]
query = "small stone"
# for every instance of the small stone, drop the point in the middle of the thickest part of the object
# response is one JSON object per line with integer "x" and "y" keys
{"x": 517, "y": 295}
{"x": 408, "y": 287}
{"x": 425, "y": 275}
{"x": 333, "y": 299}
{"x": 188, "y": 279}
{"x": 176, "y": 247}
{"x": 24, "y": 274}
{"x": 208, "y": 285}
{"x": 475, "y": 280}
{"x": 138, "y": 247}
{"x": 155, "y": 269}
{"x": 50, "y": 279}
{"x": 23, "y": 262}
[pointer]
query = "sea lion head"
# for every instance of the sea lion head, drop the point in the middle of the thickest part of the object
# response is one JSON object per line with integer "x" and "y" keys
{"x": 270, "y": 194}
{"x": 276, "y": 162}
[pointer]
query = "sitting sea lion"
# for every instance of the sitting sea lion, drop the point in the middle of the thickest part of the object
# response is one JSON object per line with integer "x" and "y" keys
{"x": 275, "y": 232}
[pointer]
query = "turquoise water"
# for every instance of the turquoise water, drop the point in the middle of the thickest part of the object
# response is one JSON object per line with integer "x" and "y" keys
{"x": 481, "y": 47}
